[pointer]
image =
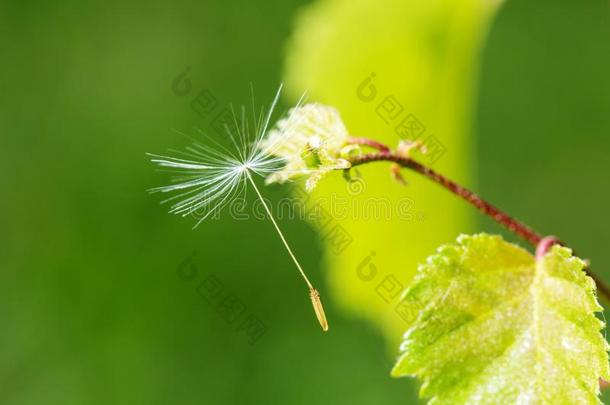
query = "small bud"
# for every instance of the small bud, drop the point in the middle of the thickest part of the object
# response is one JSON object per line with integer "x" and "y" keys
{"x": 406, "y": 148}
{"x": 311, "y": 157}
{"x": 310, "y": 140}
{"x": 396, "y": 175}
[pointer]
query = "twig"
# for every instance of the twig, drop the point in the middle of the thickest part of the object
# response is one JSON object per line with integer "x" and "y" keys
{"x": 499, "y": 216}
{"x": 370, "y": 143}
{"x": 510, "y": 223}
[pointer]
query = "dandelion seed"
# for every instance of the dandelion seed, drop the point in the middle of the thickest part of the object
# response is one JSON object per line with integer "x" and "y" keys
{"x": 210, "y": 177}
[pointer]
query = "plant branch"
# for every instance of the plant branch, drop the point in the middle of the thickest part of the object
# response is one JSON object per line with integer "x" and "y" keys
{"x": 501, "y": 217}
{"x": 496, "y": 214}
{"x": 370, "y": 143}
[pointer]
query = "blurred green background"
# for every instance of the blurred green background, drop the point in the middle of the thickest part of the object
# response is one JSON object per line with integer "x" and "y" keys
{"x": 93, "y": 307}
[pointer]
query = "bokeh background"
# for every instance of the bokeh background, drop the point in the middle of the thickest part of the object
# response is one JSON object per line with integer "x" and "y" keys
{"x": 95, "y": 304}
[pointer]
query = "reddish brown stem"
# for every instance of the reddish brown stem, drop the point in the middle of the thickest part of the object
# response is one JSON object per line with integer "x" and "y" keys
{"x": 512, "y": 224}
{"x": 370, "y": 143}
{"x": 496, "y": 214}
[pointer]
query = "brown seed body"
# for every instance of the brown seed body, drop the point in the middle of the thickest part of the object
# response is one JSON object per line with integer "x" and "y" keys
{"x": 318, "y": 308}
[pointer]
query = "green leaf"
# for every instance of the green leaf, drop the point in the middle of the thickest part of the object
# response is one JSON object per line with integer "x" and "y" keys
{"x": 490, "y": 324}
